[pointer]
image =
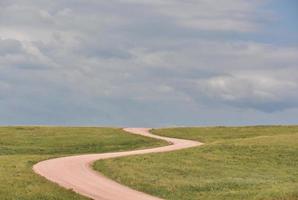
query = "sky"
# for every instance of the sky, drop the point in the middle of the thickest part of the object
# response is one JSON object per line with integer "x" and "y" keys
{"x": 150, "y": 63}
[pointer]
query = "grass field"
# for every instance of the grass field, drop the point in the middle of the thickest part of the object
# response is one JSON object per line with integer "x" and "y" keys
{"x": 247, "y": 163}
{"x": 22, "y": 147}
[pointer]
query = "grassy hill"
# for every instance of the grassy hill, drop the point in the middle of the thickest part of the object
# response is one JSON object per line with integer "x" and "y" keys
{"x": 22, "y": 147}
{"x": 247, "y": 163}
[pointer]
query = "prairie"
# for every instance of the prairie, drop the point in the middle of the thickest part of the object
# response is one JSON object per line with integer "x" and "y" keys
{"x": 22, "y": 147}
{"x": 247, "y": 163}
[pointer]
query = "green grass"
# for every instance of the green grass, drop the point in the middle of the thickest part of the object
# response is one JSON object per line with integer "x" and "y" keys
{"x": 22, "y": 147}
{"x": 247, "y": 163}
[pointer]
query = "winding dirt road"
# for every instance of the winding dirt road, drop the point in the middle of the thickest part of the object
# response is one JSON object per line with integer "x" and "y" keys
{"x": 75, "y": 172}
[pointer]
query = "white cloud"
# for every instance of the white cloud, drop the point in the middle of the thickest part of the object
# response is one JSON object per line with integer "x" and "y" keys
{"x": 212, "y": 15}
{"x": 249, "y": 88}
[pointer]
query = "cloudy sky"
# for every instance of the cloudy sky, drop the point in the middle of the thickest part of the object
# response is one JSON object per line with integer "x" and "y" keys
{"x": 148, "y": 62}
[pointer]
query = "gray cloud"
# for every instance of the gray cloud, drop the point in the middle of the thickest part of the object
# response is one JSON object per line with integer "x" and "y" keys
{"x": 10, "y": 46}
{"x": 172, "y": 62}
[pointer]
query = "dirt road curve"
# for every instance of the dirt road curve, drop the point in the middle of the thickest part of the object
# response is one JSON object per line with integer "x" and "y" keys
{"x": 75, "y": 172}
